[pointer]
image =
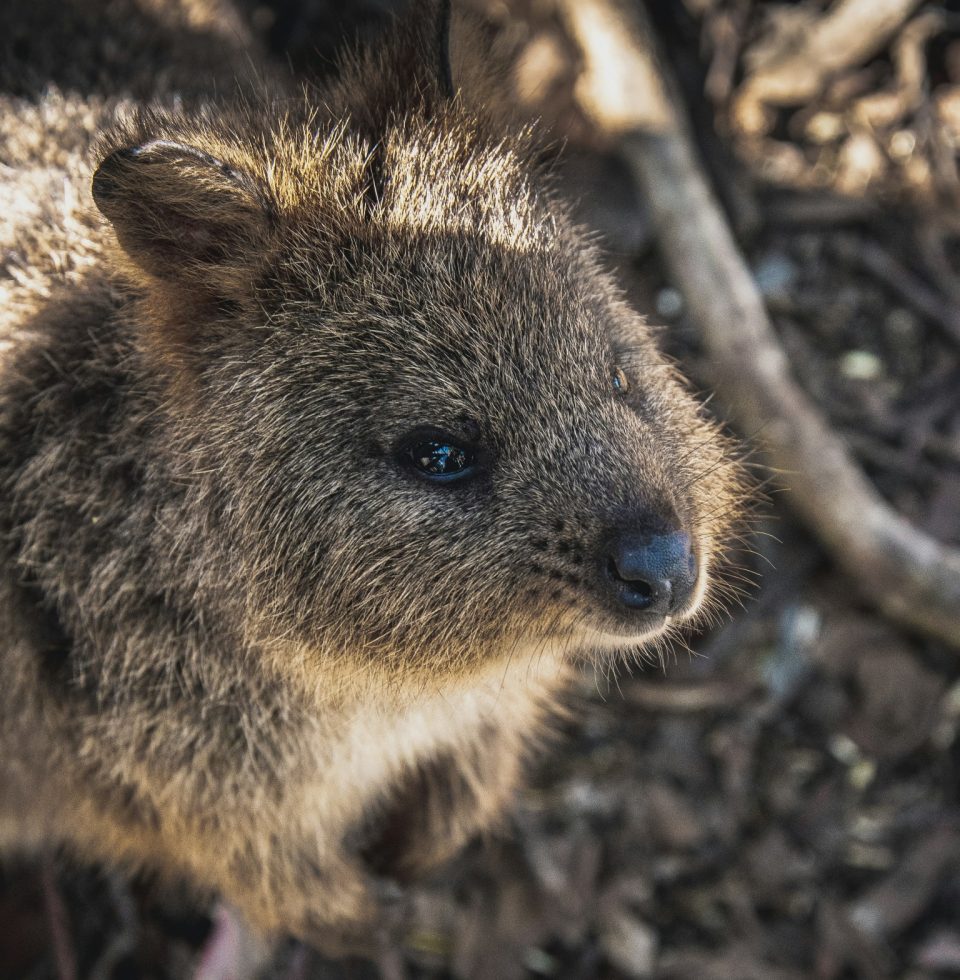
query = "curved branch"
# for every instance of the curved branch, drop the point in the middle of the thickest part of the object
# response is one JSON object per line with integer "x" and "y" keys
{"x": 909, "y": 575}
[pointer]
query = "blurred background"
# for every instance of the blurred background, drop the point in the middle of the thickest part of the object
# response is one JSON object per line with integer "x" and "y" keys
{"x": 782, "y": 799}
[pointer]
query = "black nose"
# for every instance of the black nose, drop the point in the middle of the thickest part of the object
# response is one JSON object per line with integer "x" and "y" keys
{"x": 654, "y": 573}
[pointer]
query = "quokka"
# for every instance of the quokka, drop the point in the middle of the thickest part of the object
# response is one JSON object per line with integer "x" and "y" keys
{"x": 327, "y": 448}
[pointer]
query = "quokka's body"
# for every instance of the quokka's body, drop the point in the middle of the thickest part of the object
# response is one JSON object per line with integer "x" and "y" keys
{"x": 326, "y": 446}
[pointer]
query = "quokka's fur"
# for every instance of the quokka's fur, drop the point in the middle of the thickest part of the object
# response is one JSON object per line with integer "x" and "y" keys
{"x": 240, "y": 642}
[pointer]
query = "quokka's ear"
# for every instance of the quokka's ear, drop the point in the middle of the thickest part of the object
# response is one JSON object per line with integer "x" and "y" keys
{"x": 180, "y": 213}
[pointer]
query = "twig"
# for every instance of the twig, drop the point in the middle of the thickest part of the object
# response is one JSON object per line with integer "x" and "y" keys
{"x": 124, "y": 941}
{"x": 932, "y": 240}
{"x": 59, "y": 922}
{"x": 909, "y": 287}
{"x": 908, "y": 574}
{"x": 299, "y": 965}
{"x": 899, "y": 461}
{"x": 846, "y": 35}
{"x": 822, "y": 208}
{"x": 725, "y": 30}
{"x": 688, "y": 698}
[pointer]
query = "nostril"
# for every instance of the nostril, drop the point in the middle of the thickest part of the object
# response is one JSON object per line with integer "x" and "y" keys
{"x": 654, "y": 573}
{"x": 634, "y": 591}
{"x": 640, "y": 584}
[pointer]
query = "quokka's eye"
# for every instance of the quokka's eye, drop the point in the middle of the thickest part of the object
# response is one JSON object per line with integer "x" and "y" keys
{"x": 437, "y": 457}
{"x": 618, "y": 381}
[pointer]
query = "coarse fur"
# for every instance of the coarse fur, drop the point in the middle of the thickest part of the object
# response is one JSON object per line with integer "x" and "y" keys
{"x": 242, "y": 643}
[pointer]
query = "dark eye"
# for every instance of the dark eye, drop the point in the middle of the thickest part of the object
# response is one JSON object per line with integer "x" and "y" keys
{"x": 438, "y": 458}
{"x": 618, "y": 381}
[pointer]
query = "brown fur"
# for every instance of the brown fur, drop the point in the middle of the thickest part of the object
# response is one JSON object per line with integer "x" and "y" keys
{"x": 241, "y": 644}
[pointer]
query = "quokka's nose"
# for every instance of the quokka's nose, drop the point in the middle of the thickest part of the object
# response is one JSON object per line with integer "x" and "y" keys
{"x": 653, "y": 573}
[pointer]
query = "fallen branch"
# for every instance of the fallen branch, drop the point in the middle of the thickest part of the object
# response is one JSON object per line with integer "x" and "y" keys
{"x": 909, "y": 575}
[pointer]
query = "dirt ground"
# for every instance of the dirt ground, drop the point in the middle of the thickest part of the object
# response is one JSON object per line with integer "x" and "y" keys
{"x": 782, "y": 800}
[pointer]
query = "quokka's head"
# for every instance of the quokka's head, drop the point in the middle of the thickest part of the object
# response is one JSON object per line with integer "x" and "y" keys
{"x": 422, "y": 427}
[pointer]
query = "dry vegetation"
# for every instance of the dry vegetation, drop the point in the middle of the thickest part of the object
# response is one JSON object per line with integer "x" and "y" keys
{"x": 778, "y": 184}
